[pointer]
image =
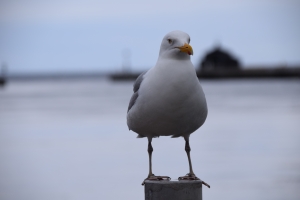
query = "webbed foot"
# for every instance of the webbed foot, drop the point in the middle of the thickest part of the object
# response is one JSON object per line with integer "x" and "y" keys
{"x": 190, "y": 176}
{"x": 156, "y": 178}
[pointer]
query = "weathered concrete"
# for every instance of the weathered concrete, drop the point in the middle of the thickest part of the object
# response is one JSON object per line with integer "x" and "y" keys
{"x": 173, "y": 190}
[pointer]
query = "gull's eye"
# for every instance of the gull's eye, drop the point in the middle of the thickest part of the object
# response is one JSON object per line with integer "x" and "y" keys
{"x": 189, "y": 40}
{"x": 170, "y": 41}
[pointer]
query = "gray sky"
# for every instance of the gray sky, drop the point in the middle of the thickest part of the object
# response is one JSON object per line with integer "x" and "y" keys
{"x": 71, "y": 36}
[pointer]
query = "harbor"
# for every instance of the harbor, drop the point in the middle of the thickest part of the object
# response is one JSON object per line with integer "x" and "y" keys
{"x": 68, "y": 139}
{"x": 221, "y": 64}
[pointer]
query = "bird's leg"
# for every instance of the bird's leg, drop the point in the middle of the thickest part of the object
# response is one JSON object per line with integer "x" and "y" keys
{"x": 188, "y": 150}
{"x": 151, "y": 176}
{"x": 150, "y": 150}
{"x": 191, "y": 175}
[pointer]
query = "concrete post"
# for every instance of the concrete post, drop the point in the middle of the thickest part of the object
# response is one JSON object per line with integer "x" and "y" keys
{"x": 173, "y": 190}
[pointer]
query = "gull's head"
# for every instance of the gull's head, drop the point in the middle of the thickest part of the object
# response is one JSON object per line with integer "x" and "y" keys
{"x": 176, "y": 44}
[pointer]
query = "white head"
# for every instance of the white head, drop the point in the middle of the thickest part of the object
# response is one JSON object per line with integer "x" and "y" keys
{"x": 176, "y": 45}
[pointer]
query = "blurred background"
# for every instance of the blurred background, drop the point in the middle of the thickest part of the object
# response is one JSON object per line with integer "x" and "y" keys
{"x": 67, "y": 70}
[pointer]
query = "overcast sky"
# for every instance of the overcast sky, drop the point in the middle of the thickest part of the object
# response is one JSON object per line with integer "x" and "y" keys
{"x": 73, "y": 35}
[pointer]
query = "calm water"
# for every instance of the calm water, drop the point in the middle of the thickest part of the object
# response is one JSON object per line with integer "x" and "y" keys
{"x": 69, "y": 140}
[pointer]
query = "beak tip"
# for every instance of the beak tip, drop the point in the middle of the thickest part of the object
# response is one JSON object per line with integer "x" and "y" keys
{"x": 186, "y": 48}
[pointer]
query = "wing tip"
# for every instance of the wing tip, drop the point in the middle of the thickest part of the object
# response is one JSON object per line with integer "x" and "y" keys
{"x": 140, "y": 136}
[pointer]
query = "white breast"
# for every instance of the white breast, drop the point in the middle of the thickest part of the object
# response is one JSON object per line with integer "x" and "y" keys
{"x": 170, "y": 101}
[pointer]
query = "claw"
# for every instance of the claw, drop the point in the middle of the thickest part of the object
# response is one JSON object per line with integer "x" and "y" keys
{"x": 205, "y": 184}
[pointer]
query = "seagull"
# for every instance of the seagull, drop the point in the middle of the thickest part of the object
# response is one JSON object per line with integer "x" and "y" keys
{"x": 168, "y": 99}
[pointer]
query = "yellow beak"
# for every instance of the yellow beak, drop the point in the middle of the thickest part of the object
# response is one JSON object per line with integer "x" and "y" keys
{"x": 186, "y": 48}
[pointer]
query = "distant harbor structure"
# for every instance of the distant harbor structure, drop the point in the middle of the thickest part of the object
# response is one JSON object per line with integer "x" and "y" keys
{"x": 219, "y": 59}
{"x": 126, "y": 60}
{"x": 3, "y": 74}
{"x": 221, "y": 64}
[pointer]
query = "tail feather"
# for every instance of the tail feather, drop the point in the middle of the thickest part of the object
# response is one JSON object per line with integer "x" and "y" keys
{"x": 140, "y": 136}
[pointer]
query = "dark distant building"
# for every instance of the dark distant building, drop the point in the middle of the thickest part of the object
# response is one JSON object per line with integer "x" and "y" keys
{"x": 219, "y": 59}
{"x": 2, "y": 74}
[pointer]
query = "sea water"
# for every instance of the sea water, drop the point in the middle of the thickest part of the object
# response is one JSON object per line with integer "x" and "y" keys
{"x": 68, "y": 139}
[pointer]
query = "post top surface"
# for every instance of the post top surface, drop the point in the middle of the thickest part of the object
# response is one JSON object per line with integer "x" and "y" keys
{"x": 164, "y": 182}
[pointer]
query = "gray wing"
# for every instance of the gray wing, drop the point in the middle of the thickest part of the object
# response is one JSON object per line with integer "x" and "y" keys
{"x": 136, "y": 87}
{"x": 138, "y": 81}
{"x": 132, "y": 100}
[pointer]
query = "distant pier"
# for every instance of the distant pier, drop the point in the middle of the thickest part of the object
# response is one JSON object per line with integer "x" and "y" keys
{"x": 3, "y": 74}
{"x": 2, "y": 81}
{"x": 278, "y": 72}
